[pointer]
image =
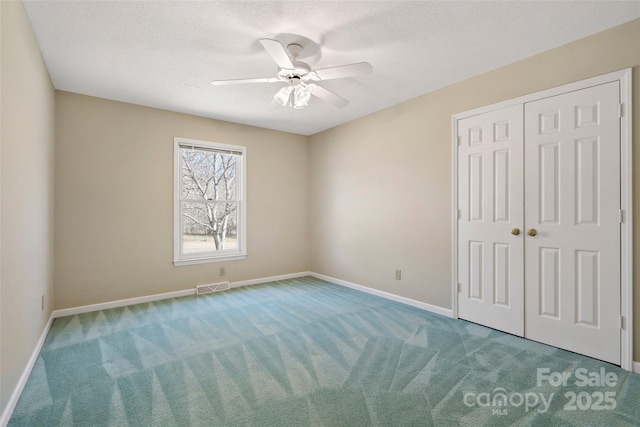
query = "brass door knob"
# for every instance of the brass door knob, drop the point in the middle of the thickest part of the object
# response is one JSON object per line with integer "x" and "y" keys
{"x": 532, "y": 232}
{"x": 515, "y": 231}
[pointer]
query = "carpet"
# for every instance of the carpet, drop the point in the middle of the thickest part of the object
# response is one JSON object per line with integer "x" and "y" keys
{"x": 305, "y": 352}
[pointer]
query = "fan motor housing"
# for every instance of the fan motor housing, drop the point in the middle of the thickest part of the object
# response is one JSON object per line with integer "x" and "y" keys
{"x": 300, "y": 70}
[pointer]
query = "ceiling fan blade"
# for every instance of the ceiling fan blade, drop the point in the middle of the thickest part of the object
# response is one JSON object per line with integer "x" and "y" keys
{"x": 343, "y": 71}
{"x": 277, "y": 52}
{"x": 243, "y": 81}
{"x": 329, "y": 97}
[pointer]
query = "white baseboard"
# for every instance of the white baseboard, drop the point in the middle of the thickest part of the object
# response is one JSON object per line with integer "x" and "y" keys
{"x": 122, "y": 303}
{"x": 167, "y": 295}
{"x": 269, "y": 279}
{"x": 22, "y": 381}
{"x": 393, "y": 297}
{"x": 636, "y": 367}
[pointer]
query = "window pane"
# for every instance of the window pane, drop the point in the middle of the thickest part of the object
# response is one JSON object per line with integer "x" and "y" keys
{"x": 209, "y": 227}
{"x": 208, "y": 175}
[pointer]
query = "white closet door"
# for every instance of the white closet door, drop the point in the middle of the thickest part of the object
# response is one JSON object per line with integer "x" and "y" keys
{"x": 491, "y": 205}
{"x": 572, "y": 188}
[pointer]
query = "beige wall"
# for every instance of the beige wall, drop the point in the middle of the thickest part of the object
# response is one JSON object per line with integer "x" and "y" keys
{"x": 381, "y": 185}
{"x": 114, "y": 201}
{"x": 27, "y": 135}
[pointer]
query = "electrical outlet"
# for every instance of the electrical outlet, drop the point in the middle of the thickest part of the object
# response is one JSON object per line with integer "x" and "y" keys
{"x": 42, "y": 303}
{"x": 222, "y": 272}
{"x": 398, "y": 274}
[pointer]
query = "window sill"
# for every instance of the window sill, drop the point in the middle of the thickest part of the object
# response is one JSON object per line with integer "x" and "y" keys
{"x": 204, "y": 260}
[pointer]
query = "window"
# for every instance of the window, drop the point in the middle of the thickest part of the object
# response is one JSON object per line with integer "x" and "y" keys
{"x": 209, "y": 205}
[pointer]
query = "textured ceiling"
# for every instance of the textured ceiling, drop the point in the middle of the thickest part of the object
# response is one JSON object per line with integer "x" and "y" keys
{"x": 164, "y": 54}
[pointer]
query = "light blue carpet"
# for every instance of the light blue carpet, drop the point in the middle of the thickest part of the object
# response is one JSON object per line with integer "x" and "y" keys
{"x": 305, "y": 352}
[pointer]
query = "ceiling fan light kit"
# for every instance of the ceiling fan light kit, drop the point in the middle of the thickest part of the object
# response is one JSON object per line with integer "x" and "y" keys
{"x": 296, "y": 95}
{"x": 302, "y": 95}
{"x": 299, "y": 75}
{"x": 283, "y": 96}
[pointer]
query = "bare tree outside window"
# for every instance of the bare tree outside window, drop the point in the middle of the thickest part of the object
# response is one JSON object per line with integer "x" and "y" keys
{"x": 209, "y": 197}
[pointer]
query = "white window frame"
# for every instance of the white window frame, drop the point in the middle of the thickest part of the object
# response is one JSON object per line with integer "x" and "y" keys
{"x": 180, "y": 258}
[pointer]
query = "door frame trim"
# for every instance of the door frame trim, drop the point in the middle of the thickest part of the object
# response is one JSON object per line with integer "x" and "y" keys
{"x": 626, "y": 193}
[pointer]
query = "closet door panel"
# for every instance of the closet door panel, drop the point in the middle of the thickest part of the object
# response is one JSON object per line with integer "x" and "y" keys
{"x": 572, "y": 201}
{"x": 490, "y": 257}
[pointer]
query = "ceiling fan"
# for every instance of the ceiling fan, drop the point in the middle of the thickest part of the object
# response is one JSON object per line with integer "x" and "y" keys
{"x": 300, "y": 78}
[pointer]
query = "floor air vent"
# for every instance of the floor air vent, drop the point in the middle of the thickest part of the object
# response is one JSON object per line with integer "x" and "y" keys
{"x": 214, "y": 287}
